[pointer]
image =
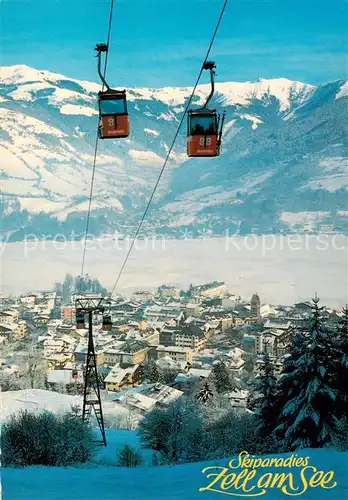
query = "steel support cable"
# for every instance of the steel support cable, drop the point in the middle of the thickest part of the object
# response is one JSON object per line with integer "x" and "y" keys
{"x": 96, "y": 145}
{"x": 170, "y": 149}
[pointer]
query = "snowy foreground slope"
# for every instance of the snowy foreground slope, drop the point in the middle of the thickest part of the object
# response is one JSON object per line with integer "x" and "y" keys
{"x": 180, "y": 482}
{"x": 284, "y": 155}
{"x": 102, "y": 480}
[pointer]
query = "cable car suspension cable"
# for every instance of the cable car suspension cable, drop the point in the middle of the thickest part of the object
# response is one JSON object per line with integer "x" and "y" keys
{"x": 170, "y": 149}
{"x": 96, "y": 141}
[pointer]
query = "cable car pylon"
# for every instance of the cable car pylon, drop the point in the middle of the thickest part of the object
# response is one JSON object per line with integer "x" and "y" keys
{"x": 87, "y": 305}
{"x": 204, "y": 125}
{"x": 113, "y": 114}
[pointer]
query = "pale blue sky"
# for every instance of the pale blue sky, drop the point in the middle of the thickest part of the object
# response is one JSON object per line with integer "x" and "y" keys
{"x": 162, "y": 42}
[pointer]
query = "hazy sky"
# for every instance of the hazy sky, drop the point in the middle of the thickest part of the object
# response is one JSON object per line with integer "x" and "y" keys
{"x": 163, "y": 42}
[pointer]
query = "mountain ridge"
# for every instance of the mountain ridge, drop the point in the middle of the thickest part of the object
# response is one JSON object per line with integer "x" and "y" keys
{"x": 276, "y": 131}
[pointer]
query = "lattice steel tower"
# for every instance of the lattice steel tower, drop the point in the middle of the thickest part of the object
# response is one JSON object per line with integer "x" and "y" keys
{"x": 91, "y": 396}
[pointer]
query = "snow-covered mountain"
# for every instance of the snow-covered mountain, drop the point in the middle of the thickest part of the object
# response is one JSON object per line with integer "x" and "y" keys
{"x": 284, "y": 161}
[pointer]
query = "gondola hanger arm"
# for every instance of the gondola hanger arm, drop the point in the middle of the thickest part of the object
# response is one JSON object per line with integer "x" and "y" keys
{"x": 210, "y": 65}
{"x": 101, "y": 47}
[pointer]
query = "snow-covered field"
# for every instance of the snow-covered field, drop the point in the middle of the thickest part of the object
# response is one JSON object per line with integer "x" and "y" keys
{"x": 180, "y": 482}
{"x": 281, "y": 269}
{"x": 38, "y": 400}
{"x": 102, "y": 479}
{"x": 35, "y": 400}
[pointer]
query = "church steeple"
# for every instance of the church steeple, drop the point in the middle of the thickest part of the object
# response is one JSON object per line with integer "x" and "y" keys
{"x": 255, "y": 305}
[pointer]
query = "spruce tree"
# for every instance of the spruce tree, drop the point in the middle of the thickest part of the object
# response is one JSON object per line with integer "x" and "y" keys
{"x": 141, "y": 373}
{"x": 154, "y": 429}
{"x": 78, "y": 284}
{"x": 223, "y": 379}
{"x": 128, "y": 457}
{"x": 343, "y": 329}
{"x": 307, "y": 419}
{"x": 156, "y": 376}
{"x": 265, "y": 405}
{"x": 342, "y": 366}
{"x": 205, "y": 394}
{"x": 285, "y": 384}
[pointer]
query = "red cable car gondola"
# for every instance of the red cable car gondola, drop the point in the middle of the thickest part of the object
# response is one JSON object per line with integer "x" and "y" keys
{"x": 80, "y": 319}
{"x": 203, "y": 126}
{"x": 107, "y": 323}
{"x": 114, "y": 122}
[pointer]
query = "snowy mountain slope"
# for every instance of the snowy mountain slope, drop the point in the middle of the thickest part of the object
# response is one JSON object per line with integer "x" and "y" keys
{"x": 47, "y": 140}
{"x": 30, "y": 80}
{"x": 285, "y": 143}
{"x": 298, "y": 163}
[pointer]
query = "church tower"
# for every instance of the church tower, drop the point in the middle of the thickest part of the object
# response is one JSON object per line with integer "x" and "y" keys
{"x": 255, "y": 305}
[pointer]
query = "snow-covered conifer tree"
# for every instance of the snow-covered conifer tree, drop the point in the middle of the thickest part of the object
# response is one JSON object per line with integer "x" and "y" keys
{"x": 307, "y": 418}
{"x": 155, "y": 374}
{"x": 266, "y": 403}
{"x": 205, "y": 394}
{"x": 141, "y": 373}
{"x": 154, "y": 429}
{"x": 175, "y": 430}
{"x": 342, "y": 366}
{"x": 128, "y": 457}
{"x": 223, "y": 379}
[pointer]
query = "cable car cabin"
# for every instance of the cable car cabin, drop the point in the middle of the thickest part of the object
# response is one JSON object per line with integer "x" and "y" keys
{"x": 80, "y": 319}
{"x": 114, "y": 122}
{"x": 202, "y": 134}
{"x": 107, "y": 323}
